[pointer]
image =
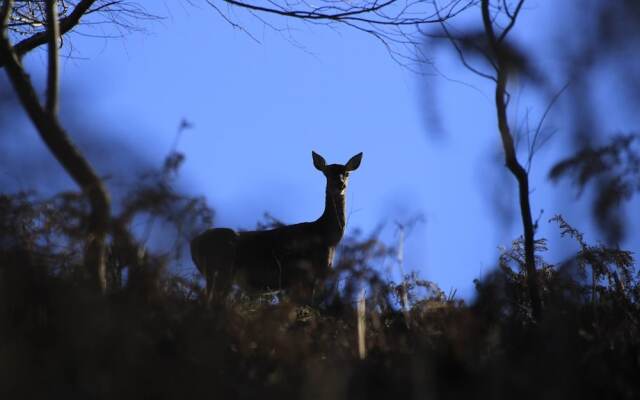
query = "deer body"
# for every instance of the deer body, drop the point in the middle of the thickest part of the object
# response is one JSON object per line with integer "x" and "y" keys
{"x": 292, "y": 257}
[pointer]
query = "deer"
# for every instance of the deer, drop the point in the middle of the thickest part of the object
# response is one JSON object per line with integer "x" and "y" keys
{"x": 291, "y": 258}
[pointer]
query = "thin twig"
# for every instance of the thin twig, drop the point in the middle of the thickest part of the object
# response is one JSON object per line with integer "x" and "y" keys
{"x": 453, "y": 42}
{"x": 53, "y": 33}
{"x": 532, "y": 148}
{"x": 512, "y": 21}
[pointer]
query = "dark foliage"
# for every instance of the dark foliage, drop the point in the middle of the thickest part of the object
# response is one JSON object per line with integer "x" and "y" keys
{"x": 614, "y": 169}
{"x": 611, "y": 33}
{"x": 152, "y": 337}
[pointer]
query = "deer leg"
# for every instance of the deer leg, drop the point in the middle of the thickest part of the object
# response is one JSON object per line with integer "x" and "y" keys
{"x": 214, "y": 254}
{"x": 224, "y": 275}
{"x": 210, "y": 278}
{"x": 223, "y": 282}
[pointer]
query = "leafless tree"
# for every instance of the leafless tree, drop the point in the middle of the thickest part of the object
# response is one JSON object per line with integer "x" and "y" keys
{"x": 44, "y": 117}
{"x": 501, "y": 64}
{"x": 498, "y": 19}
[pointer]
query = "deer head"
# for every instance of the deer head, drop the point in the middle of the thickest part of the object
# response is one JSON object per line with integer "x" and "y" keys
{"x": 337, "y": 175}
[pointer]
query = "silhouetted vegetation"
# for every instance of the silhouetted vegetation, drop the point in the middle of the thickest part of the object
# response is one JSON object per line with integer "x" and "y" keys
{"x": 614, "y": 169}
{"x": 152, "y": 336}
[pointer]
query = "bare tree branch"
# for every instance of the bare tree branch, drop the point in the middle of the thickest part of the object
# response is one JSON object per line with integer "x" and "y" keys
{"x": 28, "y": 17}
{"x": 395, "y": 23}
{"x": 462, "y": 57}
{"x": 512, "y": 19}
{"x": 66, "y": 24}
{"x": 532, "y": 147}
{"x": 318, "y": 13}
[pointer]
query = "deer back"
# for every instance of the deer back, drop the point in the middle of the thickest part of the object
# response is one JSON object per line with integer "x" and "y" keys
{"x": 283, "y": 257}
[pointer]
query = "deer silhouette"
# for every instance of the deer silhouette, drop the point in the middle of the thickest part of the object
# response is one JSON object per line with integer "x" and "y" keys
{"x": 290, "y": 257}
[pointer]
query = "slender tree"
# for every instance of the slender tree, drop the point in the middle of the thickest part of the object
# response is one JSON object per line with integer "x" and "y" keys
{"x": 491, "y": 44}
{"x": 501, "y": 67}
{"x": 45, "y": 119}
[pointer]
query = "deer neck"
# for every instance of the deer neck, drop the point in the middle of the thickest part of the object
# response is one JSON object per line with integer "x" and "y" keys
{"x": 333, "y": 218}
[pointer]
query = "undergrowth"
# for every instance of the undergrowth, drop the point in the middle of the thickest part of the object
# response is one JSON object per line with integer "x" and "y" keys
{"x": 153, "y": 337}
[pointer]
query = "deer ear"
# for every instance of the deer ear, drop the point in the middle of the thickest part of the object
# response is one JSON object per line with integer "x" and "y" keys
{"x": 318, "y": 161}
{"x": 354, "y": 162}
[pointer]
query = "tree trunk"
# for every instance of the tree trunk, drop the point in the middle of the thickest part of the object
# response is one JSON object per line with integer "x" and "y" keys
{"x": 63, "y": 149}
{"x": 512, "y": 163}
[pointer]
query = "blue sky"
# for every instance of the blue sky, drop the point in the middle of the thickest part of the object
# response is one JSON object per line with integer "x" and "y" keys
{"x": 258, "y": 109}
